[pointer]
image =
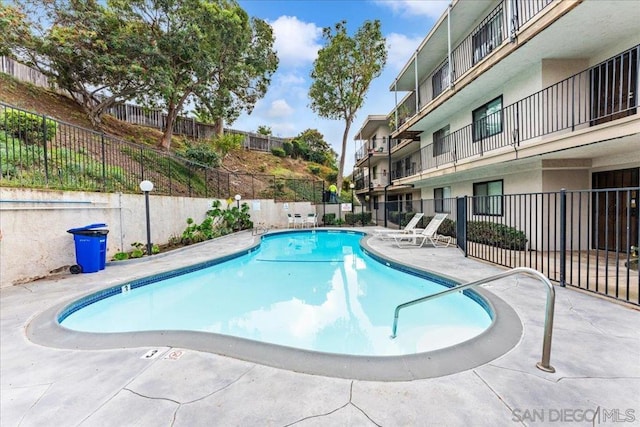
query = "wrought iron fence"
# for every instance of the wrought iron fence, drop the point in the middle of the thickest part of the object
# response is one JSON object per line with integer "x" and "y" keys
{"x": 42, "y": 152}
{"x": 587, "y": 239}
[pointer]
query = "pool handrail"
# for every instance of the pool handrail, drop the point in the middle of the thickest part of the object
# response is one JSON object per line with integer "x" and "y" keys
{"x": 548, "y": 319}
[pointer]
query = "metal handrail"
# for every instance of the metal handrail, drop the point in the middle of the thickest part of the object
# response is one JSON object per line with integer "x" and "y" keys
{"x": 548, "y": 319}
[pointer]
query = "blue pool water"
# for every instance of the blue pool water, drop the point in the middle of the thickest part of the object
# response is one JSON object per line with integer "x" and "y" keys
{"x": 311, "y": 290}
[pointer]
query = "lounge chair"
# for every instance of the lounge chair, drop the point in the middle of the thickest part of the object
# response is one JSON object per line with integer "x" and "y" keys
{"x": 290, "y": 222}
{"x": 411, "y": 225}
{"x": 429, "y": 234}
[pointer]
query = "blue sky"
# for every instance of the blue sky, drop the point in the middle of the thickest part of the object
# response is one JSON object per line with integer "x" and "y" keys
{"x": 298, "y": 27}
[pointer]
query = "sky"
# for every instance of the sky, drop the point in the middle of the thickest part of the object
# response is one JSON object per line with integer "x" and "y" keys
{"x": 297, "y": 26}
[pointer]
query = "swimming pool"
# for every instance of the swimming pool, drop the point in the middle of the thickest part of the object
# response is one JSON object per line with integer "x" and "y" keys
{"x": 503, "y": 333}
{"x": 313, "y": 290}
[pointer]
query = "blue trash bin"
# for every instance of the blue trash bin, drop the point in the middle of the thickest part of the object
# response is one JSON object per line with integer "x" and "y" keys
{"x": 91, "y": 248}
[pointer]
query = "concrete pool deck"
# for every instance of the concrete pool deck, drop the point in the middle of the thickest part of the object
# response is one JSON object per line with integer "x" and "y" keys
{"x": 595, "y": 351}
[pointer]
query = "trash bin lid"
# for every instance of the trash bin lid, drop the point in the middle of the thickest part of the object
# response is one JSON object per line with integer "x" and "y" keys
{"x": 86, "y": 227}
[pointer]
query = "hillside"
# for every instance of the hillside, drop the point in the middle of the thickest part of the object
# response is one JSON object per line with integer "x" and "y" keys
{"x": 63, "y": 108}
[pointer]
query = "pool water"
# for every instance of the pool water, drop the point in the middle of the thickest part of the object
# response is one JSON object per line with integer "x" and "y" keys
{"x": 313, "y": 290}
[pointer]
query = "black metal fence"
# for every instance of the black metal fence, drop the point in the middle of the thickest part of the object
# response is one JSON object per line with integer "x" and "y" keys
{"x": 587, "y": 239}
{"x": 40, "y": 152}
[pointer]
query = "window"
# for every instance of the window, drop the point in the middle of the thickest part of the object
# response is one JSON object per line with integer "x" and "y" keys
{"x": 439, "y": 194}
{"x": 440, "y": 141}
{"x": 408, "y": 170}
{"x": 408, "y": 202}
{"x": 487, "y": 37}
{"x": 375, "y": 202}
{"x": 440, "y": 80}
{"x": 487, "y": 120}
{"x": 487, "y": 198}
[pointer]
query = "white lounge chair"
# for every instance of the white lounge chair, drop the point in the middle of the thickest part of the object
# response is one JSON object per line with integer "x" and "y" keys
{"x": 411, "y": 225}
{"x": 290, "y": 222}
{"x": 429, "y": 234}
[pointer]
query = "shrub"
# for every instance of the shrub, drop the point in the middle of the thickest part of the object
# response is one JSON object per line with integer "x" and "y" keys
{"x": 287, "y": 146}
{"x": 203, "y": 154}
{"x": 400, "y": 218}
{"x": 227, "y": 142}
{"x": 314, "y": 169}
{"x": 329, "y": 219}
{"x": 278, "y": 152}
{"x": 498, "y": 235}
{"x": 362, "y": 218}
{"x": 447, "y": 227}
{"x": 27, "y": 127}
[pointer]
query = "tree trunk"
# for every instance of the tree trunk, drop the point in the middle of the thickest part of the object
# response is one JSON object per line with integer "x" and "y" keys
{"x": 219, "y": 127}
{"x": 345, "y": 135}
{"x": 172, "y": 113}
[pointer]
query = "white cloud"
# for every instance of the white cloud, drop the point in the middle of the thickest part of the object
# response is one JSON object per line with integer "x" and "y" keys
{"x": 429, "y": 8}
{"x": 296, "y": 41}
{"x": 400, "y": 49}
{"x": 279, "y": 108}
{"x": 290, "y": 79}
{"x": 285, "y": 130}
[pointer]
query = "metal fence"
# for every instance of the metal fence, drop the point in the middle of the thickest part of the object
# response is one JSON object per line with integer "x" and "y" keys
{"x": 586, "y": 239}
{"x": 38, "y": 151}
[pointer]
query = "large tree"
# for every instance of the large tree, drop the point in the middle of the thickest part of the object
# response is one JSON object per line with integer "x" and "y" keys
{"x": 87, "y": 51}
{"x": 242, "y": 72}
{"x": 208, "y": 52}
{"x": 343, "y": 72}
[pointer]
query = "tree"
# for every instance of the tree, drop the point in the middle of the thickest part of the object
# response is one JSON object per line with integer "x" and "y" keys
{"x": 264, "y": 130}
{"x": 242, "y": 71}
{"x": 208, "y": 51}
{"x": 88, "y": 52}
{"x": 317, "y": 149}
{"x": 14, "y": 29}
{"x": 343, "y": 72}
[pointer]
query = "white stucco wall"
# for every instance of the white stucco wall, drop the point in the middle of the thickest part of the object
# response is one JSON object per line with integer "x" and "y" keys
{"x": 34, "y": 223}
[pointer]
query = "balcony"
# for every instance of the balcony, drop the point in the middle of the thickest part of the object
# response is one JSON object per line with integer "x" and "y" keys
{"x": 499, "y": 26}
{"x": 600, "y": 94}
{"x": 373, "y": 147}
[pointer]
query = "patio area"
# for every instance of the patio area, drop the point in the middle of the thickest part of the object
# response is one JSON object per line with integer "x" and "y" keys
{"x": 595, "y": 351}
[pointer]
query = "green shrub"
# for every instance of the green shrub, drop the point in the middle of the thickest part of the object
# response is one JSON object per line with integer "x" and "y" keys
{"x": 498, "y": 235}
{"x": 287, "y": 146}
{"x": 227, "y": 142}
{"x": 362, "y": 218}
{"x": 27, "y": 127}
{"x": 329, "y": 219}
{"x": 315, "y": 169}
{"x": 400, "y": 218}
{"x": 203, "y": 154}
{"x": 447, "y": 227}
{"x": 278, "y": 152}
{"x": 121, "y": 256}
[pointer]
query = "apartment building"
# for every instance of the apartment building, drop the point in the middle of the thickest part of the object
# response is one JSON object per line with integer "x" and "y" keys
{"x": 506, "y": 97}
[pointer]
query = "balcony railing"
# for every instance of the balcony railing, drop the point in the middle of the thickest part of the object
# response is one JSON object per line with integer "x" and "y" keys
{"x": 373, "y": 146}
{"x": 490, "y": 33}
{"x": 605, "y": 92}
{"x": 371, "y": 181}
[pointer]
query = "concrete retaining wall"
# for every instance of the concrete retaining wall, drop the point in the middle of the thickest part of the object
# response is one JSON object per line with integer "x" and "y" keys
{"x": 33, "y": 224}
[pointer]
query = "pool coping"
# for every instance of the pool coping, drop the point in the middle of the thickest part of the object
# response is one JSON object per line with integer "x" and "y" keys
{"x": 504, "y": 334}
